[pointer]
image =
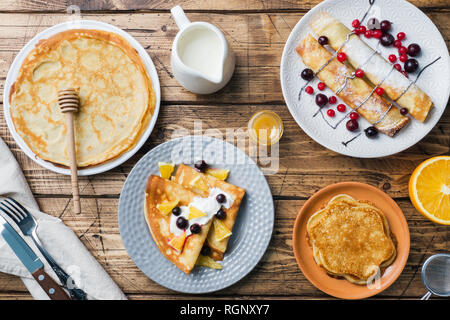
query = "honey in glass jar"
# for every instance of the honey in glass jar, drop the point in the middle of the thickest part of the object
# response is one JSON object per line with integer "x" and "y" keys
{"x": 265, "y": 127}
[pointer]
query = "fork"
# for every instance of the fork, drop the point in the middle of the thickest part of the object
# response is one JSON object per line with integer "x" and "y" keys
{"x": 27, "y": 224}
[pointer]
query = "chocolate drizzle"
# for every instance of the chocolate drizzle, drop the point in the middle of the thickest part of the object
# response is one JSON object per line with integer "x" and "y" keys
{"x": 371, "y": 2}
{"x": 352, "y": 76}
{"x": 413, "y": 82}
{"x": 345, "y": 143}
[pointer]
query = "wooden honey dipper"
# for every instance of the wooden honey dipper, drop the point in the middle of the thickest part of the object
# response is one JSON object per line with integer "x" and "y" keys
{"x": 69, "y": 102}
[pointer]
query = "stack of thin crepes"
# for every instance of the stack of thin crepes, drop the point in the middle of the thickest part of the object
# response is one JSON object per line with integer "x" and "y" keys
{"x": 358, "y": 93}
{"x": 351, "y": 239}
{"x": 116, "y": 96}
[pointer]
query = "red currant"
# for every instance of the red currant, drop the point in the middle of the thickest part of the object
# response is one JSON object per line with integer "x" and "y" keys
{"x": 332, "y": 100}
{"x": 405, "y": 74}
{"x": 398, "y": 66}
{"x": 361, "y": 29}
{"x": 392, "y": 58}
{"x": 321, "y": 86}
{"x": 368, "y": 34}
{"x": 309, "y": 90}
{"x": 341, "y": 56}
{"x": 354, "y": 116}
{"x": 401, "y": 35}
{"x": 359, "y": 73}
{"x": 330, "y": 112}
{"x": 403, "y": 57}
{"x": 355, "y": 23}
{"x": 402, "y": 50}
{"x": 341, "y": 107}
{"x": 397, "y": 43}
{"x": 377, "y": 33}
{"x": 379, "y": 91}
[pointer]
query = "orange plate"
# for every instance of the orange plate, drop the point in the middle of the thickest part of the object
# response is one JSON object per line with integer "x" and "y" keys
{"x": 342, "y": 288}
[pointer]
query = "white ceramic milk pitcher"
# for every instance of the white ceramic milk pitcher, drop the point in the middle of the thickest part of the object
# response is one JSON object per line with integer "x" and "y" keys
{"x": 201, "y": 58}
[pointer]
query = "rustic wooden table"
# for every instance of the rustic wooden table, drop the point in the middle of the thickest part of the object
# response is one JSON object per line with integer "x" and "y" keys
{"x": 257, "y": 31}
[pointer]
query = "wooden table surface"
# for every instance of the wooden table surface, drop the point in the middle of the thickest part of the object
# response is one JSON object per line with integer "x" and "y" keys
{"x": 257, "y": 31}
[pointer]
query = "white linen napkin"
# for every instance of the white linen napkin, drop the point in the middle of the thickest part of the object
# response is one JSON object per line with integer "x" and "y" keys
{"x": 59, "y": 240}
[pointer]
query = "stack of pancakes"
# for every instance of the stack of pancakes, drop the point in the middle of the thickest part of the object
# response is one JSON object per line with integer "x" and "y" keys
{"x": 351, "y": 239}
{"x": 116, "y": 96}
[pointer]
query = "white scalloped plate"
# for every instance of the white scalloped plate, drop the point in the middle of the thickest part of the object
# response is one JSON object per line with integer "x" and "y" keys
{"x": 251, "y": 232}
{"x": 86, "y": 24}
{"x": 435, "y": 81}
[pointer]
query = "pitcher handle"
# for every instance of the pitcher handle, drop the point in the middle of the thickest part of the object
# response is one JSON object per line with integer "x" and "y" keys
{"x": 180, "y": 17}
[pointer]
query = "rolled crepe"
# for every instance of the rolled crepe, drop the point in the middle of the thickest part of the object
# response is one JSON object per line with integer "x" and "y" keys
{"x": 375, "y": 109}
{"x": 375, "y": 67}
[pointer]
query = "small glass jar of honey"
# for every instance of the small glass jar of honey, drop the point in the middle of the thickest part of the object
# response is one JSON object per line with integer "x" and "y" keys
{"x": 265, "y": 127}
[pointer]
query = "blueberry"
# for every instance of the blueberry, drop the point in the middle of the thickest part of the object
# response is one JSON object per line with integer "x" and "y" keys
{"x": 385, "y": 26}
{"x": 413, "y": 50}
{"x": 182, "y": 223}
{"x": 387, "y": 39}
{"x": 221, "y": 198}
{"x": 321, "y": 99}
{"x": 371, "y": 132}
{"x": 176, "y": 211}
{"x": 221, "y": 214}
{"x": 307, "y": 74}
{"x": 201, "y": 165}
{"x": 195, "y": 228}
{"x": 404, "y": 111}
{"x": 323, "y": 40}
{"x": 411, "y": 65}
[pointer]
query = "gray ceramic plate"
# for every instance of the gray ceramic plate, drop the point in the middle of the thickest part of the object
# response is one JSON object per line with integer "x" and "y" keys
{"x": 251, "y": 233}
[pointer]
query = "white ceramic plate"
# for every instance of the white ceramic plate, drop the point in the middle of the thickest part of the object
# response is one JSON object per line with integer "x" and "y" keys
{"x": 435, "y": 80}
{"x": 80, "y": 24}
{"x": 251, "y": 232}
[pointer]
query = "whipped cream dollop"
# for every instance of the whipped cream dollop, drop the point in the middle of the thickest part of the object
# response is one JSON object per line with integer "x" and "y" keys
{"x": 208, "y": 205}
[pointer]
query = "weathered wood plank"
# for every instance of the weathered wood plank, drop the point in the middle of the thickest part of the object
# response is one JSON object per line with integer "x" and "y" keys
{"x": 276, "y": 275}
{"x": 304, "y": 165}
{"x": 203, "y": 5}
{"x": 257, "y": 40}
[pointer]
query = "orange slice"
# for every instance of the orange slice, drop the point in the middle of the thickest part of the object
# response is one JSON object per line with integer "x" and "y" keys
{"x": 220, "y": 230}
{"x": 221, "y": 174}
{"x": 166, "y": 207}
{"x": 195, "y": 213}
{"x": 165, "y": 169}
{"x": 208, "y": 262}
{"x": 178, "y": 242}
{"x": 429, "y": 189}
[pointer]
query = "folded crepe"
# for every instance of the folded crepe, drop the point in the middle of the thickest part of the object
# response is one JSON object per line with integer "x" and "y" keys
{"x": 356, "y": 92}
{"x": 375, "y": 67}
{"x": 160, "y": 191}
{"x": 185, "y": 175}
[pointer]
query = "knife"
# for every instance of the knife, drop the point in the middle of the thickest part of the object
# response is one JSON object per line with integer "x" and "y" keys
{"x": 31, "y": 261}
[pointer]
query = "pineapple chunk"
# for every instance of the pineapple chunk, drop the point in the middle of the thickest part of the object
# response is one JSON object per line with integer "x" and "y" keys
{"x": 221, "y": 174}
{"x": 208, "y": 262}
{"x": 165, "y": 169}
{"x": 220, "y": 230}
{"x": 199, "y": 184}
{"x": 195, "y": 213}
{"x": 178, "y": 242}
{"x": 166, "y": 207}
